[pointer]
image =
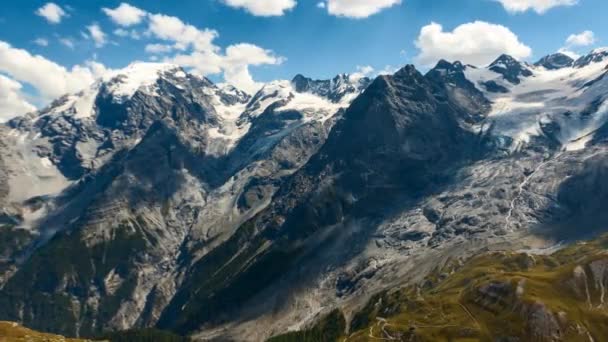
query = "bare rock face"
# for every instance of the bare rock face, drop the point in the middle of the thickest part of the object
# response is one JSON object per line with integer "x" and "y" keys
{"x": 142, "y": 184}
{"x": 160, "y": 199}
{"x": 541, "y": 323}
{"x": 599, "y": 270}
{"x": 555, "y": 61}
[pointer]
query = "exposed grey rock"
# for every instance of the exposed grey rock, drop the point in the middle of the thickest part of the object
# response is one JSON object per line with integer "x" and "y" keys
{"x": 154, "y": 189}
{"x": 597, "y": 55}
{"x": 510, "y": 69}
{"x": 201, "y": 209}
{"x": 555, "y": 61}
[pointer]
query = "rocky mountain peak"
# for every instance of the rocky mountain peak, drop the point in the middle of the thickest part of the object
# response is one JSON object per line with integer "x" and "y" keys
{"x": 231, "y": 95}
{"x": 446, "y": 66}
{"x": 450, "y": 79}
{"x": 595, "y": 56}
{"x": 510, "y": 68}
{"x": 335, "y": 89}
{"x": 408, "y": 71}
{"x": 125, "y": 82}
{"x": 555, "y": 61}
{"x": 505, "y": 61}
{"x": 173, "y": 202}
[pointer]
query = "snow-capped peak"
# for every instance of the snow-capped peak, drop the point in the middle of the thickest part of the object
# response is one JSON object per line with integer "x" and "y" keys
{"x": 555, "y": 61}
{"x": 125, "y": 82}
{"x": 564, "y": 101}
{"x": 599, "y": 50}
{"x": 595, "y": 56}
{"x": 339, "y": 89}
{"x": 121, "y": 84}
{"x": 511, "y": 69}
{"x": 505, "y": 61}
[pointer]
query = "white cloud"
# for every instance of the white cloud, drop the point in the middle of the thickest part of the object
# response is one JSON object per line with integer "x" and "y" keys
{"x": 584, "y": 38}
{"x": 52, "y": 13}
{"x": 133, "y": 34}
{"x": 67, "y": 42}
{"x": 158, "y": 48}
{"x": 238, "y": 59}
{"x": 575, "y": 41}
{"x": 198, "y": 52}
{"x": 41, "y": 42}
{"x": 173, "y": 29}
{"x": 357, "y": 9}
{"x": 12, "y": 100}
{"x": 362, "y": 71}
{"x": 569, "y": 53}
{"x": 200, "y": 62}
{"x": 539, "y": 6}
{"x": 48, "y": 78}
{"x": 321, "y": 5}
{"x": 388, "y": 70}
{"x": 98, "y": 36}
{"x": 125, "y": 14}
{"x": 477, "y": 43}
{"x": 264, "y": 8}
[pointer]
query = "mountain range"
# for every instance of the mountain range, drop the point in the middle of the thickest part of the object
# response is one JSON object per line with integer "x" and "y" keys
{"x": 156, "y": 198}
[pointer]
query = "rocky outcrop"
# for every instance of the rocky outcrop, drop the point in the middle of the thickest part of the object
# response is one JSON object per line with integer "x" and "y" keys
{"x": 555, "y": 61}
{"x": 187, "y": 206}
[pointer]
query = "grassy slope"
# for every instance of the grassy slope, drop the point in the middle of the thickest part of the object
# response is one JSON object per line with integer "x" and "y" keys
{"x": 497, "y": 297}
{"x": 12, "y": 332}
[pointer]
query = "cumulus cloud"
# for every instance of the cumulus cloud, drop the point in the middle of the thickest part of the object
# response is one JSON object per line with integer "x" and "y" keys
{"x": 539, "y": 6}
{"x": 362, "y": 71}
{"x": 584, "y": 38}
{"x": 98, "y": 36}
{"x": 264, "y": 8}
{"x": 477, "y": 43}
{"x": 575, "y": 41}
{"x": 48, "y": 78}
{"x": 52, "y": 13}
{"x": 67, "y": 42}
{"x": 357, "y": 9}
{"x": 125, "y": 14}
{"x": 183, "y": 35}
{"x": 41, "y": 42}
{"x": 133, "y": 34}
{"x": 195, "y": 49}
{"x": 238, "y": 59}
{"x": 12, "y": 101}
{"x": 158, "y": 48}
{"x": 569, "y": 53}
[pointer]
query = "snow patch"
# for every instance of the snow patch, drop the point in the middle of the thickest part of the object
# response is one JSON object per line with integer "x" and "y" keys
{"x": 548, "y": 97}
{"x": 125, "y": 82}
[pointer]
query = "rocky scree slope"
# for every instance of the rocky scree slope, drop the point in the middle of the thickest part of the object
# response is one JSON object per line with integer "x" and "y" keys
{"x": 497, "y": 296}
{"x": 135, "y": 180}
{"x": 202, "y": 210}
{"x": 418, "y": 169}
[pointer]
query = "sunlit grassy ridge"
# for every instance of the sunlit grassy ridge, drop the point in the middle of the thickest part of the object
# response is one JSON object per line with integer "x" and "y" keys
{"x": 12, "y": 332}
{"x": 497, "y": 297}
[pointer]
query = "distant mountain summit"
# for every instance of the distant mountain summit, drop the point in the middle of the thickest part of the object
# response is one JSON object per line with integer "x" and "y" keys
{"x": 156, "y": 198}
{"x": 555, "y": 61}
{"x": 335, "y": 89}
{"x": 596, "y": 56}
{"x": 511, "y": 69}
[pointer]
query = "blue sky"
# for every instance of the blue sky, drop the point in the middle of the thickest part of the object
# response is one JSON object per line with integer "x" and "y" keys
{"x": 292, "y": 36}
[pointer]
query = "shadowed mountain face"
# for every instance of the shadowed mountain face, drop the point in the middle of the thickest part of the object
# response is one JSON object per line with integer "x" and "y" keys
{"x": 555, "y": 61}
{"x": 395, "y": 142}
{"x": 166, "y": 201}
